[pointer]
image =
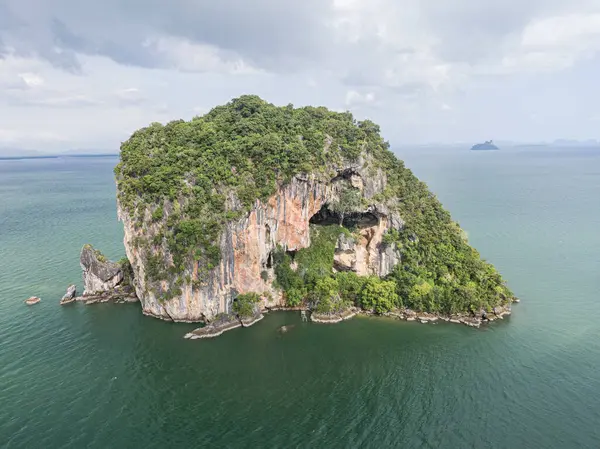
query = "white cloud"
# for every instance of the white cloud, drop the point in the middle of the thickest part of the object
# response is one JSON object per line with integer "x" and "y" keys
{"x": 93, "y": 72}
{"x": 31, "y": 79}
{"x": 356, "y": 99}
{"x": 185, "y": 55}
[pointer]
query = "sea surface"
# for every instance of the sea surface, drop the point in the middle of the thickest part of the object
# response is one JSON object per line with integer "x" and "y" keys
{"x": 104, "y": 376}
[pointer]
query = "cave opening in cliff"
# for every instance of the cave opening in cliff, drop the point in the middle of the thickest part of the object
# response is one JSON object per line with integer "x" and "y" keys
{"x": 352, "y": 220}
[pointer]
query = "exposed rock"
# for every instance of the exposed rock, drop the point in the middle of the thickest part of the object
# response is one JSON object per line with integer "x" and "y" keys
{"x": 104, "y": 280}
{"x": 99, "y": 274}
{"x": 249, "y": 321}
{"x": 32, "y": 300}
{"x": 327, "y": 318}
{"x": 286, "y": 328}
{"x": 345, "y": 254}
{"x": 222, "y": 323}
{"x": 118, "y": 295}
{"x": 247, "y": 245}
{"x": 69, "y": 297}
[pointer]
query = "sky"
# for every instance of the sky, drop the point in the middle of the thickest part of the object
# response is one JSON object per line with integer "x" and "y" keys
{"x": 79, "y": 74}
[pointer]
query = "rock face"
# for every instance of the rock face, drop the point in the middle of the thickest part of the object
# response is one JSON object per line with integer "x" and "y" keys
{"x": 104, "y": 280}
{"x": 247, "y": 245}
{"x": 99, "y": 274}
{"x": 69, "y": 297}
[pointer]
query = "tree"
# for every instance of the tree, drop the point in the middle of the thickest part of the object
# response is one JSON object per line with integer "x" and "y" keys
{"x": 378, "y": 295}
{"x": 245, "y": 304}
{"x": 327, "y": 295}
{"x": 350, "y": 285}
{"x": 349, "y": 200}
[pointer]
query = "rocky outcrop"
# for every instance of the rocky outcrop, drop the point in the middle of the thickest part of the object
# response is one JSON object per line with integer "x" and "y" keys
{"x": 333, "y": 318}
{"x": 249, "y": 321}
{"x": 247, "y": 245}
{"x": 99, "y": 274}
{"x": 468, "y": 319}
{"x": 366, "y": 254}
{"x": 222, "y": 323}
{"x": 69, "y": 297}
{"x": 103, "y": 279}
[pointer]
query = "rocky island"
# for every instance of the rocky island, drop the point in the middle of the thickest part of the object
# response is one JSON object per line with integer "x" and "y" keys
{"x": 487, "y": 145}
{"x": 253, "y": 207}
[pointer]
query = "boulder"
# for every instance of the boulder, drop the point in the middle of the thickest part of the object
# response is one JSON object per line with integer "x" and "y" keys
{"x": 69, "y": 297}
{"x": 32, "y": 300}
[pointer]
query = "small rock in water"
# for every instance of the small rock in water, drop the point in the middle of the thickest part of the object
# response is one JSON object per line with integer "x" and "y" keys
{"x": 285, "y": 328}
{"x": 69, "y": 296}
{"x": 33, "y": 300}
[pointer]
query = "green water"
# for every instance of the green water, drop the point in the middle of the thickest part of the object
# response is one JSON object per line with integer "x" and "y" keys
{"x": 104, "y": 376}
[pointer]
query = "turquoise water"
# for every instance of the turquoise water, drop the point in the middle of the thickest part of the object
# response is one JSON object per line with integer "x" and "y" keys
{"x": 105, "y": 376}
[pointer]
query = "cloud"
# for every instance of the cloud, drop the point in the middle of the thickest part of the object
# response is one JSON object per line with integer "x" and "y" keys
{"x": 354, "y": 99}
{"x": 31, "y": 79}
{"x": 188, "y": 56}
{"x": 269, "y": 33}
{"x": 405, "y": 64}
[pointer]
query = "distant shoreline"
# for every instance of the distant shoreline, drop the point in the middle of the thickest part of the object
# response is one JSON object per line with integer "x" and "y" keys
{"x": 56, "y": 156}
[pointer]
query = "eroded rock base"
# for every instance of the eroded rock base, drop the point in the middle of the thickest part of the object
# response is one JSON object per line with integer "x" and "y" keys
{"x": 332, "y": 318}
{"x": 229, "y": 322}
{"x": 120, "y": 295}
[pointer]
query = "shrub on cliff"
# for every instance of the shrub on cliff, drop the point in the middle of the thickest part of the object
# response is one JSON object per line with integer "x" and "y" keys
{"x": 245, "y": 304}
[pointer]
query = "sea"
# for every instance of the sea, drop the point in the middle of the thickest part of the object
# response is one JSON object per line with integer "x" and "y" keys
{"x": 105, "y": 376}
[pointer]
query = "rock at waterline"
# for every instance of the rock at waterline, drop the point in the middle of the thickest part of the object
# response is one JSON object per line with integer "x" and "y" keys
{"x": 33, "y": 300}
{"x": 99, "y": 273}
{"x": 69, "y": 297}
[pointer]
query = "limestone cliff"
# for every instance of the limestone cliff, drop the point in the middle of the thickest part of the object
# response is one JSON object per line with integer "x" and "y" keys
{"x": 233, "y": 202}
{"x": 247, "y": 245}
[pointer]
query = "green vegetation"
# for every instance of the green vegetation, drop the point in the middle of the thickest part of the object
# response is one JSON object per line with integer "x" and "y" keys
{"x": 245, "y": 304}
{"x": 378, "y": 295}
{"x": 193, "y": 177}
{"x": 127, "y": 271}
{"x": 314, "y": 282}
{"x": 350, "y": 200}
{"x": 97, "y": 253}
{"x": 312, "y": 264}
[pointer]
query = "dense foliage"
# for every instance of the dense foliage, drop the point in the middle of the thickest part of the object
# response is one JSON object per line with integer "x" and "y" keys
{"x": 187, "y": 179}
{"x": 245, "y": 304}
{"x": 313, "y": 281}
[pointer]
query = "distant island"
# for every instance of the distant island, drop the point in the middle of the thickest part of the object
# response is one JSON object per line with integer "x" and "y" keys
{"x": 55, "y": 156}
{"x": 488, "y": 145}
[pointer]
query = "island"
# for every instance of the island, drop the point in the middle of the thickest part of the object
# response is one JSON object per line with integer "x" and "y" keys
{"x": 487, "y": 145}
{"x": 254, "y": 207}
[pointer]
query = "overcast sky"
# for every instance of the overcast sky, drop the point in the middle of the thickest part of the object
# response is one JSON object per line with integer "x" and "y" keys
{"x": 86, "y": 74}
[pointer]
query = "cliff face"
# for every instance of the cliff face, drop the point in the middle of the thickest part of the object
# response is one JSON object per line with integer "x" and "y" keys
{"x": 247, "y": 245}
